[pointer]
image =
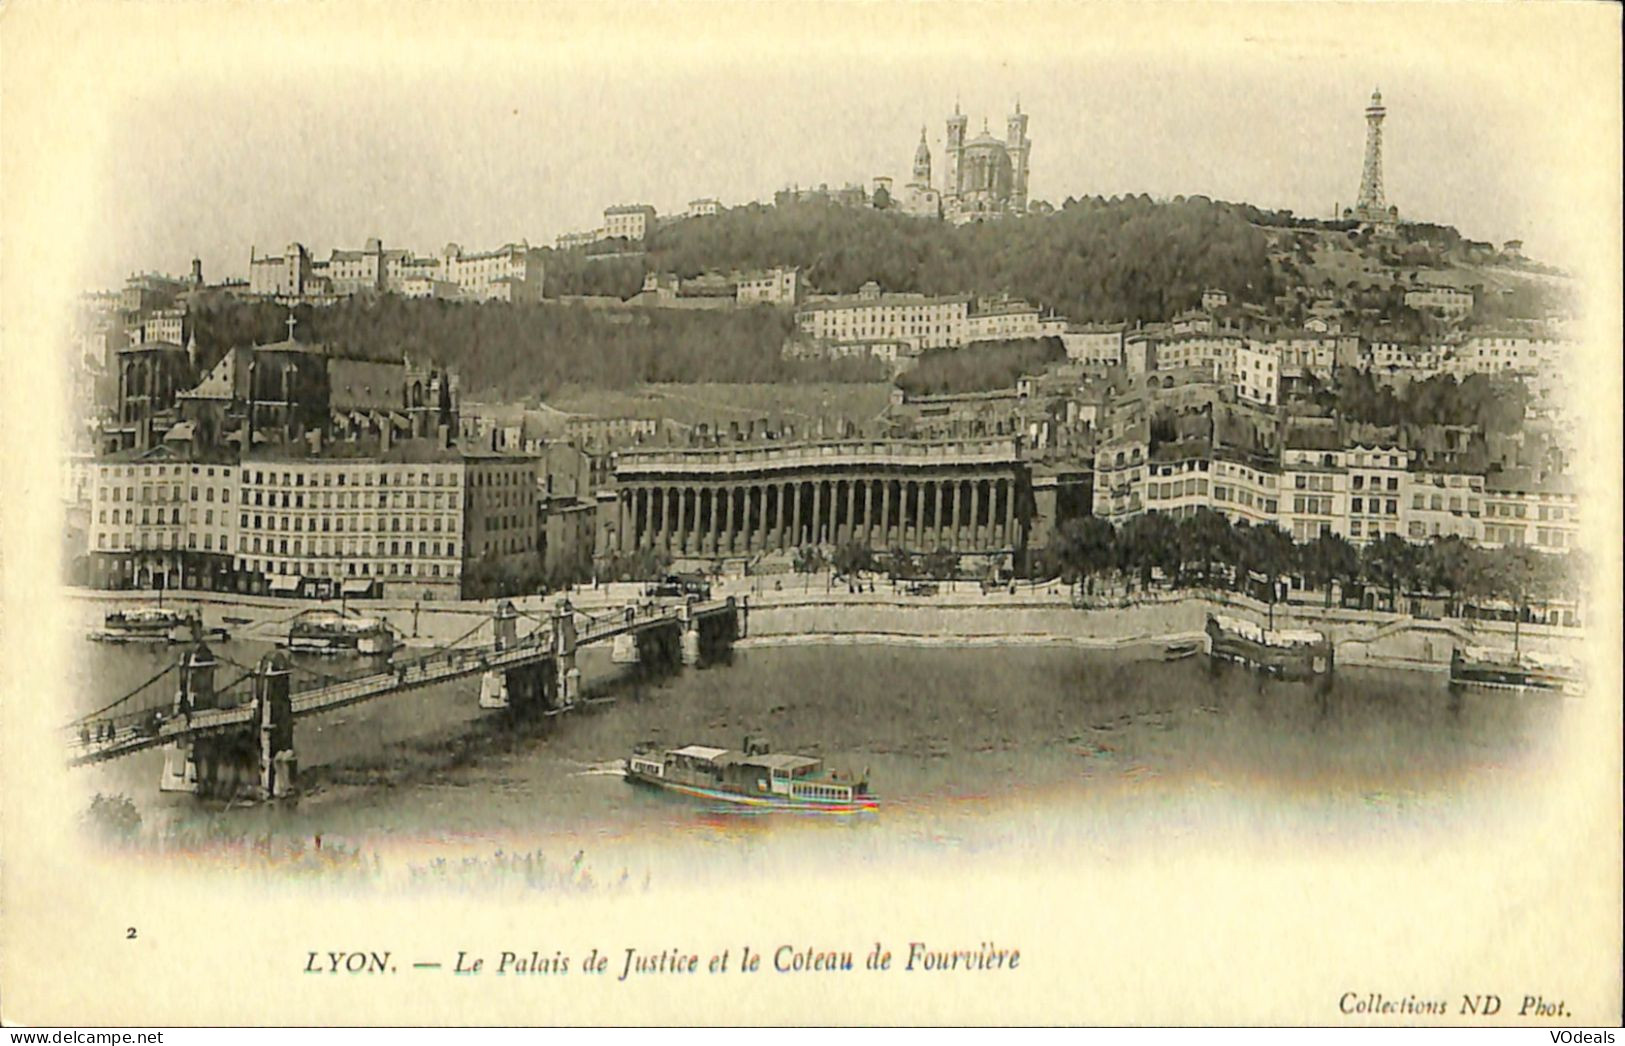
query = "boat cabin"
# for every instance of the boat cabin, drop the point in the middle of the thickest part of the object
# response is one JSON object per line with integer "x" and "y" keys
{"x": 758, "y": 772}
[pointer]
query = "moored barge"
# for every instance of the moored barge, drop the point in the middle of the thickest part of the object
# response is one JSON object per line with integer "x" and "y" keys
{"x": 1502, "y": 669}
{"x": 148, "y": 624}
{"x": 1291, "y": 653}
{"x": 329, "y": 632}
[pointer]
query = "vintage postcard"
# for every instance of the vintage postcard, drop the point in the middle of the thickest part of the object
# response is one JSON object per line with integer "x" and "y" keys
{"x": 810, "y": 514}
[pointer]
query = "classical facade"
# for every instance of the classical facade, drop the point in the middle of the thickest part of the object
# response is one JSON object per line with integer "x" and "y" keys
{"x": 968, "y": 496}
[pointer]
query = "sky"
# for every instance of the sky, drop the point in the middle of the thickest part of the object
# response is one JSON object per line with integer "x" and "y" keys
{"x": 428, "y": 124}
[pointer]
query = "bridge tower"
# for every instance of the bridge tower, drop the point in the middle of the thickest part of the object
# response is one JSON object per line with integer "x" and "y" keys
{"x": 196, "y": 692}
{"x": 568, "y": 676}
{"x": 691, "y": 634}
{"x": 273, "y": 719}
{"x": 213, "y": 765}
{"x": 505, "y": 627}
{"x": 493, "y": 690}
{"x": 505, "y": 624}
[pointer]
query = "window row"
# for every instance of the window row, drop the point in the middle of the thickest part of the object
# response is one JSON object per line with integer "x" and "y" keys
{"x": 347, "y": 547}
{"x": 357, "y": 524}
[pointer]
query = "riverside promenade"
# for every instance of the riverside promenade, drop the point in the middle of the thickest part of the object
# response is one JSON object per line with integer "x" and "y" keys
{"x": 789, "y": 609}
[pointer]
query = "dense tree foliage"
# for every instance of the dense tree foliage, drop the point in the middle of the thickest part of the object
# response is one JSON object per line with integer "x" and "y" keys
{"x": 531, "y": 350}
{"x": 1491, "y": 403}
{"x": 1206, "y": 547}
{"x": 1126, "y": 258}
{"x": 980, "y": 366}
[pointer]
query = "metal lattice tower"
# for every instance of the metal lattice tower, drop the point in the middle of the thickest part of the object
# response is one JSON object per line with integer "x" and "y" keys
{"x": 1372, "y": 198}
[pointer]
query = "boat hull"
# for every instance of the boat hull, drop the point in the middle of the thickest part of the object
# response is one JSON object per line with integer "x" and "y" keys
{"x": 1494, "y": 676}
{"x": 859, "y": 804}
{"x": 366, "y": 646}
{"x": 1296, "y": 662}
{"x": 114, "y": 635}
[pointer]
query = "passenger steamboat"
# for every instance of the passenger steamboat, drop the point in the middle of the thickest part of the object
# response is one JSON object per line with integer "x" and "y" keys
{"x": 329, "y": 632}
{"x": 754, "y": 777}
{"x": 1292, "y": 653}
{"x": 1502, "y": 669}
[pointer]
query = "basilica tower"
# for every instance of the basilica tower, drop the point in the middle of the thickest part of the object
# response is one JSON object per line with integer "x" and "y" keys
{"x": 1020, "y": 147}
{"x": 955, "y": 150}
{"x": 922, "y": 162}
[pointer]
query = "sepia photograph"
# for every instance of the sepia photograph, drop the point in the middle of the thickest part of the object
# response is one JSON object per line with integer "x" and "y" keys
{"x": 810, "y": 515}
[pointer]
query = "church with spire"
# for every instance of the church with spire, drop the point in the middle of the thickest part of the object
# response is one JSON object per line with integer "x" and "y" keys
{"x": 918, "y": 197}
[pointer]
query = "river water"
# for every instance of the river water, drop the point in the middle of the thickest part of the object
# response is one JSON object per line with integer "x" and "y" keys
{"x": 970, "y": 750}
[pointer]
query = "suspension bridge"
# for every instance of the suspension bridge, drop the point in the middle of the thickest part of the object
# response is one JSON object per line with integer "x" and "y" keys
{"x": 221, "y": 737}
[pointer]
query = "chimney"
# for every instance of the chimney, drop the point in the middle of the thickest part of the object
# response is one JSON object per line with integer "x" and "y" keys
{"x": 386, "y": 434}
{"x": 445, "y": 437}
{"x": 314, "y": 439}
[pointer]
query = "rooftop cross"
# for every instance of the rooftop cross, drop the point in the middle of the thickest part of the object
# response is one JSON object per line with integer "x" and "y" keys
{"x": 291, "y": 322}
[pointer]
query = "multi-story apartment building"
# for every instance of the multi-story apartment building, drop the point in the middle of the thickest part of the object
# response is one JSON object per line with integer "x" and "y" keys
{"x": 1414, "y": 359}
{"x": 1246, "y": 489}
{"x": 591, "y": 431}
{"x": 1216, "y": 352}
{"x": 161, "y": 518}
{"x": 163, "y": 325}
{"x": 1176, "y": 481}
{"x": 1491, "y": 352}
{"x": 1120, "y": 474}
{"x": 1443, "y": 503}
{"x": 1523, "y": 506}
{"x": 1378, "y": 486}
{"x": 703, "y": 208}
{"x": 566, "y": 241}
{"x": 1304, "y": 352}
{"x": 291, "y": 275}
{"x": 779, "y": 286}
{"x": 512, "y": 272}
{"x": 1314, "y": 481}
{"x": 1449, "y": 302}
{"x": 1001, "y": 319}
{"x": 628, "y": 221}
{"x": 1257, "y": 374}
{"x": 926, "y": 323}
{"x": 408, "y": 519}
{"x": 1099, "y": 344}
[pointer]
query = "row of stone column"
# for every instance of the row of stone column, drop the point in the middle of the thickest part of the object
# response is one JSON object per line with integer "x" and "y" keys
{"x": 963, "y": 515}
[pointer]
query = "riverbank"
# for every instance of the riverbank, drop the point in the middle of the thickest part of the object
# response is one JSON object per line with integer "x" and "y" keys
{"x": 960, "y": 615}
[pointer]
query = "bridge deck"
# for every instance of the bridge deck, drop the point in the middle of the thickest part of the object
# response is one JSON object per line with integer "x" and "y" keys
{"x": 439, "y": 667}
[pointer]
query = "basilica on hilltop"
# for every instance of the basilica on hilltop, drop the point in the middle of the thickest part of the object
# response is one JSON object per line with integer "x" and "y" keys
{"x": 986, "y": 178}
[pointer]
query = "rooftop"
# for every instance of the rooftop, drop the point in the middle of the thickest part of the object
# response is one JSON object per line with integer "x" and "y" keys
{"x": 406, "y": 451}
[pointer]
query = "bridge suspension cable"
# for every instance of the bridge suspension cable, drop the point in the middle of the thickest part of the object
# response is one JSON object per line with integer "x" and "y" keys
{"x": 100, "y": 712}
